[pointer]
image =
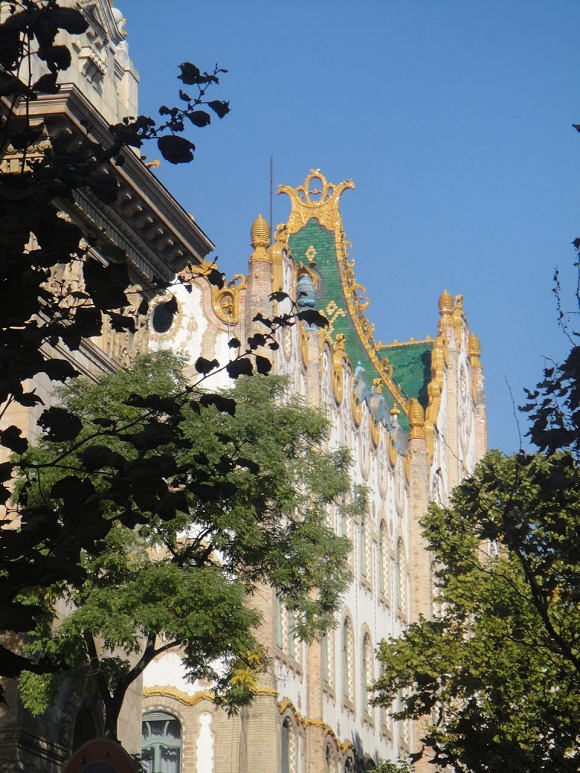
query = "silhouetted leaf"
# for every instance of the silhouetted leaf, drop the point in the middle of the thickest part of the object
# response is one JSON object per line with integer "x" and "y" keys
{"x": 203, "y": 366}
{"x": 278, "y": 296}
{"x": 222, "y": 403}
{"x": 47, "y": 84}
{"x": 106, "y": 284}
{"x": 241, "y": 367}
{"x": 97, "y": 457}
{"x": 56, "y": 57}
{"x": 220, "y": 108}
{"x": 199, "y": 118}
{"x": 263, "y": 365}
{"x": 12, "y": 438}
{"x": 70, "y": 19}
{"x": 58, "y": 370}
{"x": 313, "y": 317}
{"x": 234, "y": 343}
{"x": 59, "y": 424}
{"x": 176, "y": 150}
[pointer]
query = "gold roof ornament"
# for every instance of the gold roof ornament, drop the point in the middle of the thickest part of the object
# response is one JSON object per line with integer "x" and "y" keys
{"x": 474, "y": 351}
{"x": 260, "y": 233}
{"x": 445, "y": 303}
{"x": 416, "y": 419}
{"x": 317, "y": 198}
{"x": 260, "y": 239}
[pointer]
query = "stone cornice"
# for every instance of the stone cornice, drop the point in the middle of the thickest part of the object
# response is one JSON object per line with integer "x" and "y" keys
{"x": 172, "y": 237}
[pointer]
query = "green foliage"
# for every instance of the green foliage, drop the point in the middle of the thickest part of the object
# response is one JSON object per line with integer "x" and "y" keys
{"x": 387, "y": 766}
{"x": 195, "y": 500}
{"x": 496, "y": 668}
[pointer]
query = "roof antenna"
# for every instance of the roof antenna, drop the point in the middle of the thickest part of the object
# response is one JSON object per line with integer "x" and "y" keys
{"x": 271, "y": 195}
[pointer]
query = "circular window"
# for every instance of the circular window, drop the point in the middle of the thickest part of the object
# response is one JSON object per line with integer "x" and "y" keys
{"x": 163, "y": 316}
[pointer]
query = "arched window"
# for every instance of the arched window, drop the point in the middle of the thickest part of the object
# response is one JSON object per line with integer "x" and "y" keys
{"x": 324, "y": 658}
{"x": 287, "y": 747}
{"x": 347, "y": 659}
{"x": 161, "y": 743}
{"x": 364, "y": 546}
{"x": 382, "y": 561}
{"x": 401, "y": 578}
{"x": 366, "y": 671}
{"x": 278, "y": 622}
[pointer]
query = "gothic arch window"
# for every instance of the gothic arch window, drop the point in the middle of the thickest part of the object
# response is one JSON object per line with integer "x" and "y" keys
{"x": 383, "y": 567}
{"x": 327, "y": 659}
{"x": 347, "y": 643}
{"x": 401, "y": 578}
{"x": 278, "y": 622}
{"x": 363, "y": 545}
{"x": 366, "y": 671}
{"x": 161, "y": 743}
{"x": 287, "y": 747}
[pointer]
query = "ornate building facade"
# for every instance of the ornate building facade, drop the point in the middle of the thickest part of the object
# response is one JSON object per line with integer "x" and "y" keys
{"x": 412, "y": 415}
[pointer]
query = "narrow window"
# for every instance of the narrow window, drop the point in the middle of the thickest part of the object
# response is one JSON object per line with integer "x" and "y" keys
{"x": 285, "y": 747}
{"x": 366, "y": 671}
{"x": 363, "y": 546}
{"x": 278, "y": 622}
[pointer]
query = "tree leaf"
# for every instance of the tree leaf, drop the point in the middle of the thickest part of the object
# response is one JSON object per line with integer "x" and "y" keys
{"x": 176, "y": 150}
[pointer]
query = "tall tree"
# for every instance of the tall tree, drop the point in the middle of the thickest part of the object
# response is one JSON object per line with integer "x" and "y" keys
{"x": 242, "y": 501}
{"x": 496, "y": 671}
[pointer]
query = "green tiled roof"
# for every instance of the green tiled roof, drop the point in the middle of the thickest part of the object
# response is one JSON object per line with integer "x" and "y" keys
{"x": 411, "y": 367}
{"x": 411, "y": 362}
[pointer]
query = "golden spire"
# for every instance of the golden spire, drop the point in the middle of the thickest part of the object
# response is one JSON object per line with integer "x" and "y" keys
{"x": 445, "y": 308}
{"x": 260, "y": 233}
{"x": 260, "y": 237}
{"x": 445, "y": 303}
{"x": 416, "y": 419}
{"x": 474, "y": 350}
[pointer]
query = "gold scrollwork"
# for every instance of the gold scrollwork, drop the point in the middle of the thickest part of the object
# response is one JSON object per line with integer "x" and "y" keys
{"x": 339, "y": 359}
{"x": 434, "y": 391}
{"x": 317, "y": 198}
{"x": 225, "y": 301}
{"x": 303, "y": 344}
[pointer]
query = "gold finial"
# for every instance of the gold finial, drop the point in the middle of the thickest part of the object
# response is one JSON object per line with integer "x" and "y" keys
{"x": 395, "y": 411}
{"x": 260, "y": 233}
{"x": 445, "y": 303}
{"x": 474, "y": 350}
{"x": 416, "y": 419}
{"x": 260, "y": 236}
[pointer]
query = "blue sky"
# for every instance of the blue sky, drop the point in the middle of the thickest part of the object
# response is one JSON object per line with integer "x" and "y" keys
{"x": 453, "y": 119}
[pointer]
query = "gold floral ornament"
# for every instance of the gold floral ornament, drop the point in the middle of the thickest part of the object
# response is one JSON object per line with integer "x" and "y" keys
{"x": 225, "y": 301}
